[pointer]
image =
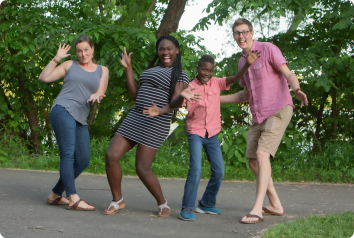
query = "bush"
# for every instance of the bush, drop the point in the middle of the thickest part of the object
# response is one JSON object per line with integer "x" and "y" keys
{"x": 293, "y": 162}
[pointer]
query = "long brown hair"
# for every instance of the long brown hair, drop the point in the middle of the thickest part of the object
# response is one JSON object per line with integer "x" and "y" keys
{"x": 88, "y": 40}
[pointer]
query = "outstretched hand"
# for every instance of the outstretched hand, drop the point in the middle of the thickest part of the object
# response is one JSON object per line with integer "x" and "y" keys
{"x": 151, "y": 111}
{"x": 302, "y": 97}
{"x": 252, "y": 56}
{"x": 126, "y": 59}
{"x": 63, "y": 51}
{"x": 96, "y": 97}
{"x": 189, "y": 95}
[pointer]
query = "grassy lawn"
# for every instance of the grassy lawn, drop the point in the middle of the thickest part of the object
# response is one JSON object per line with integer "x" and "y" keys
{"x": 332, "y": 225}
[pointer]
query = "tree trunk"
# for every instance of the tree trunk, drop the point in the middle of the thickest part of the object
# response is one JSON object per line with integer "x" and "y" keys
{"x": 2, "y": 15}
{"x": 48, "y": 128}
{"x": 92, "y": 115}
{"x": 319, "y": 118}
{"x": 31, "y": 115}
{"x": 171, "y": 18}
{"x": 148, "y": 12}
{"x": 334, "y": 114}
{"x": 2, "y": 5}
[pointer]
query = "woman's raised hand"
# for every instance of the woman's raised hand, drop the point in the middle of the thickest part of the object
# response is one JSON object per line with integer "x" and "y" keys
{"x": 63, "y": 51}
{"x": 126, "y": 59}
{"x": 189, "y": 95}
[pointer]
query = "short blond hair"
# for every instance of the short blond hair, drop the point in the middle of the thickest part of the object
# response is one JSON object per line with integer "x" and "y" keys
{"x": 242, "y": 21}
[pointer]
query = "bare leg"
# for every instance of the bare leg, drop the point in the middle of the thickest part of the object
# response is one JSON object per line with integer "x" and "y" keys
{"x": 274, "y": 201}
{"x": 118, "y": 147}
{"x": 263, "y": 179}
{"x": 144, "y": 158}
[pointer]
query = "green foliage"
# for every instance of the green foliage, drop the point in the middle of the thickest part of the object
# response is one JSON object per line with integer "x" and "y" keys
{"x": 12, "y": 147}
{"x": 30, "y": 35}
{"x": 293, "y": 161}
{"x": 318, "y": 46}
{"x": 233, "y": 144}
{"x": 331, "y": 225}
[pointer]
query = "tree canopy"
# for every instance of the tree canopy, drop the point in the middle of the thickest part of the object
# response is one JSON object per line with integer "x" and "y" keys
{"x": 318, "y": 46}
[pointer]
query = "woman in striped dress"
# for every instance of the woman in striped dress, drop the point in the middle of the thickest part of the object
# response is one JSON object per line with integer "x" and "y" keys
{"x": 163, "y": 85}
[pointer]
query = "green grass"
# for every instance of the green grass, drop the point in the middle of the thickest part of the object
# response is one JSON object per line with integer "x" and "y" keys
{"x": 292, "y": 163}
{"x": 324, "y": 226}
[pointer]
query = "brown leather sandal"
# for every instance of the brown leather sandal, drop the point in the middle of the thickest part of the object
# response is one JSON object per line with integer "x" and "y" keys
{"x": 76, "y": 207}
{"x": 57, "y": 201}
{"x": 270, "y": 212}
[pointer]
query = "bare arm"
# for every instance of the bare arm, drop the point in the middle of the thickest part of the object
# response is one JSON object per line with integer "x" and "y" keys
{"x": 187, "y": 94}
{"x": 251, "y": 58}
{"x": 238, "y": 97}
{"x": 132, "y": 85}
{"x": 294, "y": 83}
{"x": 52, "y": 73}
{"x": 177, "y": 99}
{"x": 100, "y": 93}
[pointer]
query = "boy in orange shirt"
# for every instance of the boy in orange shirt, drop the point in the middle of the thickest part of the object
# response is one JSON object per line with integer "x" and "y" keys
{"x": 203, "y": 124}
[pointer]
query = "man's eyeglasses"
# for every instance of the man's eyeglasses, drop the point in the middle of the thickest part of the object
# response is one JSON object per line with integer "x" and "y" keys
{"x": 238, "y": 34}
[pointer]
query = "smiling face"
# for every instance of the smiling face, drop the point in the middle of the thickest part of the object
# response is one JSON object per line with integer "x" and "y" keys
{"x": 244, "y": 42}
{"x": 167, "y": 52}
{"x": 84, "y": 52}
{"x": 205, "y": 72}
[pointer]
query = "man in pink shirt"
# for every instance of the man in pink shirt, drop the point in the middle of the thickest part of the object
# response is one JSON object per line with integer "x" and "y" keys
{"x": 266, "y": 87}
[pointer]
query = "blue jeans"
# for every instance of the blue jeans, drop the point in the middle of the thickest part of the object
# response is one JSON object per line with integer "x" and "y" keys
{"x": 212, "y": 149}
{"x": 73, "y": 140}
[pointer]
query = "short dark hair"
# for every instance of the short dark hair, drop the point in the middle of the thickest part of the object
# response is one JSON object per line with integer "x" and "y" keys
{"x": 206, "y": 58}
{"x": 242, "y": 21}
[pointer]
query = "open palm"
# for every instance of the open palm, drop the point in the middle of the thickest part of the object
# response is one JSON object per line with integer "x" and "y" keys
{"x": 252, "y": 56}
{"x": 190, "y": 95}
{"x": 151, "y": 111}
{"x": 63, "y": 51}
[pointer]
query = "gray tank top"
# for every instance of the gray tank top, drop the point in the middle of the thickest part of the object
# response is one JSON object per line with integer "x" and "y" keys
{"x": 78, "y": 86}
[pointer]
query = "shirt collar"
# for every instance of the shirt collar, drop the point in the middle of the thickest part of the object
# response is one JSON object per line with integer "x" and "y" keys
{"x": 200, "y": 83}
{"x": 254, "y": 45}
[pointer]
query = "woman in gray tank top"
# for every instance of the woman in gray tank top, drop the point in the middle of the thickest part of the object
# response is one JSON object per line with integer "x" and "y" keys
{"x": 84, "y": 82}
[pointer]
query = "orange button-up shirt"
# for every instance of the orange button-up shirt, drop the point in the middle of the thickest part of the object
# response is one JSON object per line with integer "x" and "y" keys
{"x": 204, "y": 116}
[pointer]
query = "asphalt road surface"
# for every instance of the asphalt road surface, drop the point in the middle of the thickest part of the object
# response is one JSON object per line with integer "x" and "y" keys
{"x": 24, "y": 212}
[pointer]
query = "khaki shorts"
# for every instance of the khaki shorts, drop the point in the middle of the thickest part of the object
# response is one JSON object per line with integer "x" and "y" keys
{"x": 267, "y": 135}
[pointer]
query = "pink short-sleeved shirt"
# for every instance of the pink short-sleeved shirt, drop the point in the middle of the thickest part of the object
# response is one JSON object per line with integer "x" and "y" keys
{"x": 204, "y": 116}
{"x": 267, "y": 86}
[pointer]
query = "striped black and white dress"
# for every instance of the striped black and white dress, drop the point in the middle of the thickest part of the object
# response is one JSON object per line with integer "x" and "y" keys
{"x": 154, "y": 86}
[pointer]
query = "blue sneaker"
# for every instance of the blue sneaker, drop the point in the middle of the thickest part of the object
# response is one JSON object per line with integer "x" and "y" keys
{"x": 186, "y": 215}
{"x": 208, "y": 210}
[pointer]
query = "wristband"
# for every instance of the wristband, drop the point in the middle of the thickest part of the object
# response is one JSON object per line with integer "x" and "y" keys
{"x": 56, "y": 61}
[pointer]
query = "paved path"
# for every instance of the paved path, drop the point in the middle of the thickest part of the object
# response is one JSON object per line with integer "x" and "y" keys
{"x": 24, "y": 213}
